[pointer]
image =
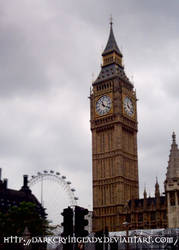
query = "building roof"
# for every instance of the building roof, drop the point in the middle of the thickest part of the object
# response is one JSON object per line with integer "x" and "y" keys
{"x": 149, "y": 202}
{"x": 10, "y": 197}
{"x": 111, "y": 44}
{"x": 113, "y": 69}
{"x": 17, "y": 195}
{"x": 110, "y": 71}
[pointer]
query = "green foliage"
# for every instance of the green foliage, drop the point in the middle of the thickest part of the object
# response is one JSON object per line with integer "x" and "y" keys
{"x": 19, "y": 217}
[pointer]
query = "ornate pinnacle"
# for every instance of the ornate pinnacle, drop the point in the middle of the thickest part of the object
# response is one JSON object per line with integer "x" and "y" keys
{"x": 174, "y": 137}
{"x": 111, "y": 20}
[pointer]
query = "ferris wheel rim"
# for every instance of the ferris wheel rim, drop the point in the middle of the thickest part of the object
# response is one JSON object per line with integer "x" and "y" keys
{"x": 59, "y": 179}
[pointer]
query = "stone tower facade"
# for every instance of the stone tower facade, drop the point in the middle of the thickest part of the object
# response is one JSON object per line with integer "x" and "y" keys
{"x": 172, "y": 185}
{"x": 114, "y": 140}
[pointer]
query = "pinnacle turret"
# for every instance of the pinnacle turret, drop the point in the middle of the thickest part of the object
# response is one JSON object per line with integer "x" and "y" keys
{"x": 145, "y": 193}
{"x": 157, "y": 189}
{"x": 174, "y": 138}
{"x": 173, "y": 163}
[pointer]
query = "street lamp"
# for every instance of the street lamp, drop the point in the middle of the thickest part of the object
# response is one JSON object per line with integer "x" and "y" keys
{"x": 126, "y": 224}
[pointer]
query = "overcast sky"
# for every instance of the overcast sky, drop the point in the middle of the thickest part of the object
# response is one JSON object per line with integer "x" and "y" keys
{"x": 49, "y": 50}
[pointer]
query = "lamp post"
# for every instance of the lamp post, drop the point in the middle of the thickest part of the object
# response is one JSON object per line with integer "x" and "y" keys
{"x": 126, "y": 224}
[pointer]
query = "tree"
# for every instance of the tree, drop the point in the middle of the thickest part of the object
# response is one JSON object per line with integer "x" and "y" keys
{"x": 17, "y": 218}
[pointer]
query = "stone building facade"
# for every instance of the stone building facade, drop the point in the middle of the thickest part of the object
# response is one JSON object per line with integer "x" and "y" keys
{"x": 114, "y": 155}
{"x": 147, "y": 213}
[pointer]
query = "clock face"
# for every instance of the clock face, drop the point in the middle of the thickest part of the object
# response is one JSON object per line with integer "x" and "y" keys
{"x": 128, "y": 106}
{"x": 103, "y": 105}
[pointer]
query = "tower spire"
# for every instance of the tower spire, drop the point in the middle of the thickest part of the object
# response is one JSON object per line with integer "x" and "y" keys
{"x": 111, "y": 21}
{"x": 111, "y": 44}
{"x": 112, "y": 64}
{"x": 172, "y": 184}
{"x": 173, "y": 163}
{"x": 157, "y": 188}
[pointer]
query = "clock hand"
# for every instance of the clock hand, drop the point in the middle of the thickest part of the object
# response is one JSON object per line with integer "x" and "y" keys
{"x": 103, "y": 104}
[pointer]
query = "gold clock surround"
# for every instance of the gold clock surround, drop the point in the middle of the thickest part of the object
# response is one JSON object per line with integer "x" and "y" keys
{"x": 111, "y": 109}
{"x": 133, "y": 100}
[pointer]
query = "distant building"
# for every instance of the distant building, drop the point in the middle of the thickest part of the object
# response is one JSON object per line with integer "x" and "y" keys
{"x": 11, "y": 197}
{"x": 159, "y": 211}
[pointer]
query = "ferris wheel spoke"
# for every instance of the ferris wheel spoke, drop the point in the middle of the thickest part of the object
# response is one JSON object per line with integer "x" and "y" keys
{"x": 59, "y": 179}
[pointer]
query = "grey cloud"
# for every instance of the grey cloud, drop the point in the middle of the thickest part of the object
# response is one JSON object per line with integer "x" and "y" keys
{"x": 49, "y": 50}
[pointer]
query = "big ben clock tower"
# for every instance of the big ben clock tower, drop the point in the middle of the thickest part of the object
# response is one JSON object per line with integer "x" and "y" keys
{"x": 114, "y": 140}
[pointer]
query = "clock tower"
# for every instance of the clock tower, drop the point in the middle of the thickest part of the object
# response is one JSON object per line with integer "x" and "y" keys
{"x": 114, "y": 140}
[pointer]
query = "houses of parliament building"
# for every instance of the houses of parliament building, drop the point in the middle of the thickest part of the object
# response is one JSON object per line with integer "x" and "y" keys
{"x": 114, "y": 127}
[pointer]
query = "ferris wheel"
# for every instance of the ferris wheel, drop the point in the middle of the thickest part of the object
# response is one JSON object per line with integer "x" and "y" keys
{"x": 51, "y": 175}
